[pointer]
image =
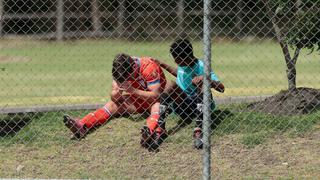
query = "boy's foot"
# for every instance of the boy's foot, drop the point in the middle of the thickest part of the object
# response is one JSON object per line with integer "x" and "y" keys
{"x": 197, "y": 136}
{"x": 78, "y": 129}
{"x": 146, "y": 137}
{"x": 151, "y": 140}
{"x": 160, "y": 136}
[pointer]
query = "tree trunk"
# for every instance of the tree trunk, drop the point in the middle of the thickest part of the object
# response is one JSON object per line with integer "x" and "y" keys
{"x": 291, "y": 75}
{"x": 290, "y": 62}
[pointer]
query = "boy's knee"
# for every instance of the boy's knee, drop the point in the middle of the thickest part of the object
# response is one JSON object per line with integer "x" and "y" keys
{"x": 111, "y": 106}
{"x": 170, "y": 86}
{"x": 165, "y": 99}
{"x": 116, "y": 96}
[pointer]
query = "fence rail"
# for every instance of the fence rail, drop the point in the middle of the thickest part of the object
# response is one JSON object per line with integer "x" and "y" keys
{"x": 52, "y": 108}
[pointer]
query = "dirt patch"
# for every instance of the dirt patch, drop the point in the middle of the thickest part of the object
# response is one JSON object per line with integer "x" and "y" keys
{"x": 14, "y": 59}
{"x": 295, "y": 102}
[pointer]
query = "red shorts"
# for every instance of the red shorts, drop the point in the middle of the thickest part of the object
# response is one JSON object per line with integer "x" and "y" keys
{"x": 141, "y": 104}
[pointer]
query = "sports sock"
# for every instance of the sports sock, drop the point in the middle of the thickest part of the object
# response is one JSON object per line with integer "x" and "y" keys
{"x": 97, "y": 117}
{"x": 152, "y": 122}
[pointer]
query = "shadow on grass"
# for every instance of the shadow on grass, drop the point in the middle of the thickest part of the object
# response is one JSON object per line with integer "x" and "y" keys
{"x": 12, "y": 123}
{"x": 217, "y": 117}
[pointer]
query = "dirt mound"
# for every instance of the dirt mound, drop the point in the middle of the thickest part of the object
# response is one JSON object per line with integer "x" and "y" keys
{"x": 295, "y": 102}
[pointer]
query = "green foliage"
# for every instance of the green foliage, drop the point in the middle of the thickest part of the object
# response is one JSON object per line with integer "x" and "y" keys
{"x": 299, "y": 21}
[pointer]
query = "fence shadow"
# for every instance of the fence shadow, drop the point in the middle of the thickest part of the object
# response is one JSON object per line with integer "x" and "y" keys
{"x": 217, "y": 116}
{"x": 12, "y": 123}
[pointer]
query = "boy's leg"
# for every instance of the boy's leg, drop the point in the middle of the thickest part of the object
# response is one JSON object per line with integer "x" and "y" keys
{"x": 197, "y": 132}
{"x": 199, "y": 110}
{"x": 101, "y": 115}
{"x": 150, "y": 132}
{"x": 154, "y": 133}
{"x": 166, "y": 100}
{"x": 191, "y": 108}
{"x": 80, "y": 127}
{"x": 198, "y": 143}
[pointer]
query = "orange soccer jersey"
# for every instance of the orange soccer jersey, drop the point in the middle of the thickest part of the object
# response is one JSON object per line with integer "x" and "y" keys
{"x": 147, "y": 73}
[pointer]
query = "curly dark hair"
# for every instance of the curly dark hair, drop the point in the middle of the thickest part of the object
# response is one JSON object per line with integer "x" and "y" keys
{"x": 182, "y": 48}
{"x": 122, "y": 67}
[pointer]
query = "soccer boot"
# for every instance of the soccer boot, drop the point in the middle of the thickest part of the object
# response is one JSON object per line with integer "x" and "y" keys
{"x": 76, "y": 127}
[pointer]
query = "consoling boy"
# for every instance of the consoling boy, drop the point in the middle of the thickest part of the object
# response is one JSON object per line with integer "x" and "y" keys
{"x": 185, "y": 96}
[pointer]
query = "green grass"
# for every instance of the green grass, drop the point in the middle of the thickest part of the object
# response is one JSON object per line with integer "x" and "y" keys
{"x": 44, "y": 149}
{"x": 80, "y": 71}
{"x": 252, "y": 122}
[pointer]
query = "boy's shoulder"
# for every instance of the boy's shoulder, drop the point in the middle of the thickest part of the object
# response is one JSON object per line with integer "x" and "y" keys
{"x": 200, "y": 62}
{"x": 148, "y": 61}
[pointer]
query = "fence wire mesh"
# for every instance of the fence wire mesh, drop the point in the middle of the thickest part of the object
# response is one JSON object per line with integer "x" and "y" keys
{"x": 124, "y": 79}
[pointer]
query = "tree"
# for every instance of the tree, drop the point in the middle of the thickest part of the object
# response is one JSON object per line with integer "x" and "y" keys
{"x": 297, "y": 25}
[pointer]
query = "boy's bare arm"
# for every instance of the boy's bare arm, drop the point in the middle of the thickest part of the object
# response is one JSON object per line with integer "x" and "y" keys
{"x": 217, "y": 85}
{"x": 150, "y": 96}
{"x": 172, "y": 70}
{"x": 116, "y": 92}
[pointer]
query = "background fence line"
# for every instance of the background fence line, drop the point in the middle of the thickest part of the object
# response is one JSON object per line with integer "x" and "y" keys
{"x": 59, "y": 15}
{"x": 52, "y": 108}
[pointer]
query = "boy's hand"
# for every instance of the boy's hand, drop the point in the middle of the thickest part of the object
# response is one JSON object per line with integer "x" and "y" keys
{"x": 198, "y": 81}
{"x": 128, "y": 88}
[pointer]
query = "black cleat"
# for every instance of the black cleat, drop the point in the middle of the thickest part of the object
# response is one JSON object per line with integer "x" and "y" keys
{"x": 151, "y": 140}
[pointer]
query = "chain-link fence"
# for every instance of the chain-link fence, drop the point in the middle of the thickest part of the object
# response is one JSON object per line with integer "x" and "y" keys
{"x": 129, "y": 82}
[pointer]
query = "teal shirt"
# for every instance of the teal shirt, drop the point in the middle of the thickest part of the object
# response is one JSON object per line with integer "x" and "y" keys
{"x": 185, "y": 75}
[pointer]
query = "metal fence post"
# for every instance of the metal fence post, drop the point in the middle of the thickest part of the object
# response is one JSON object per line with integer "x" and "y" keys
{"x": 207, "y": 91}
{"x": 60, "y": 19}
{"x": 121, "y": 18}
{"x": 180, "y": 14}
{"x": 239, "y": 19}
{"x": 1, "y": 16}
{"x": 96, "y": 16}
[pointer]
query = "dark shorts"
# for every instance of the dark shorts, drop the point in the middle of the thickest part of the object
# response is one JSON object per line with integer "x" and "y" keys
{"x": 187, "y": 109}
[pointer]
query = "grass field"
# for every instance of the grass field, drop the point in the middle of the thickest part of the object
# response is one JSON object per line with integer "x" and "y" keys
{"x": 42, "y": 72}
{"x": 246, "y": 144}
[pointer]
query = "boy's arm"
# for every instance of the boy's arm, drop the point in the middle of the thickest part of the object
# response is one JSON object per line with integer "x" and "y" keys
{"x": 172, "y": 70}
{"x": 116, "y": 92}
{"x": 217, "y": 85}
{"x": 150, "y": 96}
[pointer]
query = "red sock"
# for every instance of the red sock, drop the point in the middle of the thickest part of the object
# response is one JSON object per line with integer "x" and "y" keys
{"x": 152, "y": 122}
{"x": 98, "y": 117}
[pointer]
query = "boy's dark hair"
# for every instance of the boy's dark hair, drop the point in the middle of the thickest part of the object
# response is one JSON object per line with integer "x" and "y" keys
{"x": 181, "y": 48}
{"x": 122, "y": 67}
